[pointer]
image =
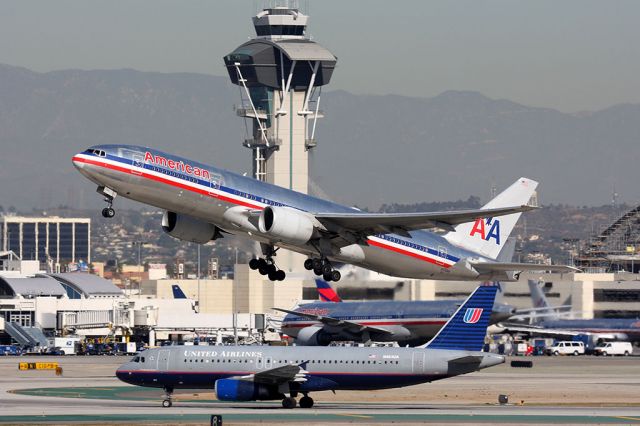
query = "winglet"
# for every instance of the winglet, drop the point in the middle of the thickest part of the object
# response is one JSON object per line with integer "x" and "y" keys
{"x": 326, "y": 292}
{"x": 467, "y": 328}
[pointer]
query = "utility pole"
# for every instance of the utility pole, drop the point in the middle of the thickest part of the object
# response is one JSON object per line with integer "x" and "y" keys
{"x": 139, "y": 244}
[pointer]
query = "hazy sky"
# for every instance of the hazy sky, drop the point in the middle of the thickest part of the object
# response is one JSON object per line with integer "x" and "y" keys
{"x": 571, "y": 55}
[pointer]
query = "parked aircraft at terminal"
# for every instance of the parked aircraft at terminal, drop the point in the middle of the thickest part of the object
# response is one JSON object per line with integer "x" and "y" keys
{"x": 250, "y": 373}
{"x": 552, "y": 323}
{"x": 410, "y": 323}
{"x": 203, "y": 202}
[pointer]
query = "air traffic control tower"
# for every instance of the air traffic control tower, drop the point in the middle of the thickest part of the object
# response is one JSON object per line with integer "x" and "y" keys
{"x": 280, "y": 73}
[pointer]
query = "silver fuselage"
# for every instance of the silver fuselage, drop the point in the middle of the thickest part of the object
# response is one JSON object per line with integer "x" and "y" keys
{"x": 334, "y": 368}
{"x": 214, "y": 195}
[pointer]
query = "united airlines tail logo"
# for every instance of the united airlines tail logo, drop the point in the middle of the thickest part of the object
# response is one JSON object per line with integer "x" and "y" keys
{"x": 487, "y": 228}
{"x": 472, "y": 315}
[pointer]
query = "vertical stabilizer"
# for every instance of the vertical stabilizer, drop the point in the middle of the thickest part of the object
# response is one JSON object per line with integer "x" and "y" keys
{"x": 467, "y": 328}
{"x": 177, "y": 292}
{"x": 488, "y": 236}
{"x": 326, "y": 292}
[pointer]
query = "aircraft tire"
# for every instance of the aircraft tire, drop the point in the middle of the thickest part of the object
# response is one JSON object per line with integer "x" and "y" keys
{"x": 108, "y": 212}
{"x": 273, "y": 275}
{"x": 280, "y": 275}
{"x": 306, "y": 402}
{"x": 326, "y": 269}
{"x": 262, "y": 264}
{"x": 308, "y": 264}
{"x": 316, "y": 263}
{"x": 254, "y": 264}
{"x": 335, "y": 275}
{"x": 263, "y": 271}
{"x": 327, "y": 277}
{"x": 289, "y": 403}
{"x": 317, "y": 271}
{"x": 167, "y": 403}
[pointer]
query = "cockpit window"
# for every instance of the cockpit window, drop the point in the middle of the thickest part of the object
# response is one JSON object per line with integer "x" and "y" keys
{"x": 98, "y": 152}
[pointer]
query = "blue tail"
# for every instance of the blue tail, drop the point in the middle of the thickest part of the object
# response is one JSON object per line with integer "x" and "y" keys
{"x": 467, "y": 328}
{"x": 326, "y": 292}
{"x": 177, "y": 292}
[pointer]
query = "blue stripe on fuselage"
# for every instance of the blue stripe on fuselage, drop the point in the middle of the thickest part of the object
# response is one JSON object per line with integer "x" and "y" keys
{"x": 245, "y": 187}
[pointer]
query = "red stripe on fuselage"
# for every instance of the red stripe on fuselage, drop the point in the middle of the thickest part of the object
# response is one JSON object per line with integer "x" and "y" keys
{"x": 307, "y": 324}
{"x": 166, "y": 181}
{"x": 233, "y": 201}
{"x": 406, "y": 253}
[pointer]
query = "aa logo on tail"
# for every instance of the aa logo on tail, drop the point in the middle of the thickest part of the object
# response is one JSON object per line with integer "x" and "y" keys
{"x": 472, "y": 315}
{"x": 480, "y": 227}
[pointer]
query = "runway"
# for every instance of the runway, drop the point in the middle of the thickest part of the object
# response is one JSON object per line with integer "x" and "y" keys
{"x": 567, "y": 390}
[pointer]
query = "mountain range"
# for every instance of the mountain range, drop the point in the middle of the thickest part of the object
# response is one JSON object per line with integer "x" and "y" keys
{"x": 372, "y": 150}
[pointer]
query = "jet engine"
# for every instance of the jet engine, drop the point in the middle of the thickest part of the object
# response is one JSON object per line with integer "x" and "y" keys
{"x": 243, "y": 390}
{"x": 189, "y": 228}
{"x": 313, "y": 336}
{"x": 286, "y": 224}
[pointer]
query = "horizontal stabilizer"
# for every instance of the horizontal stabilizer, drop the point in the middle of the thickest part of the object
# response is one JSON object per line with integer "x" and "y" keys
{"x": 466, "y": 360}
{"x": 350, "y": 326}
{"x": 487, "y": 267}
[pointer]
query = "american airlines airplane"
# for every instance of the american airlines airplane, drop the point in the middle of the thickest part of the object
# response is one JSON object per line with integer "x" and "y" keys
{"x": 410, "y": 323}
{"x": 203, "y": 202}
{"x": 252, "y": 373}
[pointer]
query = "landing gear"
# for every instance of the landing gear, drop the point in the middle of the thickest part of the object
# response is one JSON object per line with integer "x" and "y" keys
{"x": 289, "y": 402}
{"x": 306, "y": 402}
{"x": 108, "y": 212}
{"x": 109, "y": 195}
{"x": 267, "y": 266}
{"x": 322, "y": 266}
{"x": 166, "y": 402}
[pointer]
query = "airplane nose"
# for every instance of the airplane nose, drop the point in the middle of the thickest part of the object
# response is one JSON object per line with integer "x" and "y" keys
{"x": 77, "y": 163}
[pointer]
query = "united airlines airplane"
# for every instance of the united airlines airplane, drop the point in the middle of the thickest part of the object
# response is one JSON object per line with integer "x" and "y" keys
{"x": 251, "y": 373}
{"x": 203, "y": 202}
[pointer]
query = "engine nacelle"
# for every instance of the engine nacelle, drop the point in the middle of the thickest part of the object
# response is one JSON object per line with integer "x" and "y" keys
{"x": 313, "y": 336}
{"x": 242, "y": 390}
{"x": 287, "y": 225}
{"x": 189, "y": 228}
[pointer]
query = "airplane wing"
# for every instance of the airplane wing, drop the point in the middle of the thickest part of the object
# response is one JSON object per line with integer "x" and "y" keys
{"x": 338, "y": 323}
{"x": 540, "y": 331}
{"x": 276, "y": 376}
{"x": 487, "y": 267}
{"x": 401, "y": 223}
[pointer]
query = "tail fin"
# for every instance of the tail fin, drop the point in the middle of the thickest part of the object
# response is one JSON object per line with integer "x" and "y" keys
{"x": 537, "y": 296}
{"x": 326, "y": 292}
{"x": 488, "y": 236}
{"x": 467, "y": 328}
{"x": 177, "y": 292}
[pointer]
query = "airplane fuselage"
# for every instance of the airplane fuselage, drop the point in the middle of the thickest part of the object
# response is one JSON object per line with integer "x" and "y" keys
{"x": 221, "y": 197}
{"x": 412, "y": 323}
{"x": 360, "y": 368}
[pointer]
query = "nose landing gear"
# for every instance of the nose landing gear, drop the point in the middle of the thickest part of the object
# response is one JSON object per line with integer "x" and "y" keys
{"x": 168, "y": 392}
{"x": 109, "y": 195}
{"x": 322, "y": 266}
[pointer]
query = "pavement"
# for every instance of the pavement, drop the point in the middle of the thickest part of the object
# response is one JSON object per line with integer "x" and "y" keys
{"x": 557, "y": 390}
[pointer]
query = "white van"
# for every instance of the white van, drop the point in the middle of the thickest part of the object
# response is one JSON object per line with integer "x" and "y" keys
{"x": 566, "y": 348}
{"x": 613, "y": 348}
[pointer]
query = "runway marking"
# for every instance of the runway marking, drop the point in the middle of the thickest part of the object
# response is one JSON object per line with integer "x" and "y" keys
{"x": 637, "y": 419}
{"x": 354, "y": 415}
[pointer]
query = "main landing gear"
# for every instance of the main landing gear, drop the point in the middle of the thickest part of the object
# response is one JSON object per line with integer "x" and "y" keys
{"x": 290, "y": 402}
{"x": 322, "y": 266}
{"x": 168, "y": 392}
{"x": 109, "y": 196}
{"x": 267, "y": 266}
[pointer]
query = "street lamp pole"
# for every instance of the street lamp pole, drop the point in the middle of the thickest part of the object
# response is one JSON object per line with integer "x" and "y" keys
{"x": 199, "y": 306}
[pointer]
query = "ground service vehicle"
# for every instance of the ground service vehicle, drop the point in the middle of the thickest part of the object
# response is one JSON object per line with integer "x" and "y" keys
{"x": 566, "y": 348}
{"x": 614, "y": 348}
